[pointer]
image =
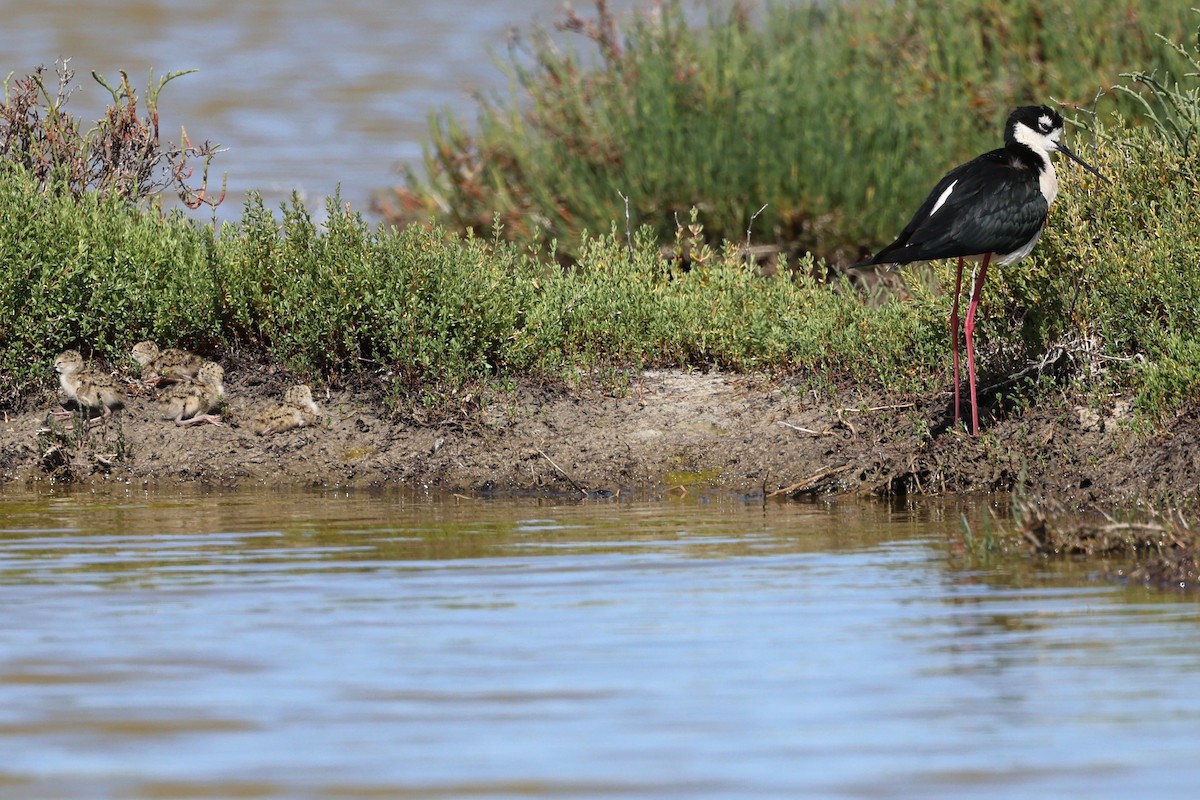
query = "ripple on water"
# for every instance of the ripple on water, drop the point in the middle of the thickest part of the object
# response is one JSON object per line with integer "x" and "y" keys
{"x": 284, "y": 645}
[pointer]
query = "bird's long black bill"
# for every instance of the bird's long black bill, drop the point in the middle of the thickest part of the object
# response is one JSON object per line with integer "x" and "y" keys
{"x": 1069, "y": 153}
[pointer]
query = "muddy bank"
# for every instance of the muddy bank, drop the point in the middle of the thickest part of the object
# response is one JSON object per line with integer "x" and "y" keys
{"x": 670, "y": 431}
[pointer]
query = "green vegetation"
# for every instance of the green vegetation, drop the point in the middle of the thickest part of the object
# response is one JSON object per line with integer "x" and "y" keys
{"x": 120, "y": 156}
{"x": 433, "y": 315}
{"x": 1174, "y": 110}
{"x": 350, "y": 298}
{"x": 834, "y": 115}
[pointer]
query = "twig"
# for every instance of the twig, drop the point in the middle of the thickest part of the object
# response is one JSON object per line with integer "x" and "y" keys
{"x": 628, "y": 226}
{"x": 915, "y": 473}
{"x": 1079, "y": 107}
{"x": 804, "y": 484}
{"x": 1061, "y": 351}
{"x": 828, "y": 430}
{"x": 877, "y": 408}
{"x": 847, "y": 424}
{"x": 563, "y": 472}
{"x": 825, "y": 432}
{"x": 750, "y": 225}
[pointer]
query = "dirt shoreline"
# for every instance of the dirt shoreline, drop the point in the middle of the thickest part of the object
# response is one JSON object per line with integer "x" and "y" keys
{"x": 671, "y": 431}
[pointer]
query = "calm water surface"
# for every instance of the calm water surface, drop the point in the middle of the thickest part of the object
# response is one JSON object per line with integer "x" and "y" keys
{"x": 304, "y": 645}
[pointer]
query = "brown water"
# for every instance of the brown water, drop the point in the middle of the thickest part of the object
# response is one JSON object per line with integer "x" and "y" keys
{"x": 305, "y": 94}
{"x": 333, "y": 645}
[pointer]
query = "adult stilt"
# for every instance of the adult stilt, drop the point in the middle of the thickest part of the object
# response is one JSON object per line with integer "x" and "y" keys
{"x": 993, "y": 208}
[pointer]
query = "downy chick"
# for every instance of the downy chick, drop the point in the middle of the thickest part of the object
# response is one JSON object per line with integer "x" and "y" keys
{"x": 297, "y": 411}
{"x": 165, "y": 366}
{"x": 190, "y": 402}
{"x": 88, "y": 387}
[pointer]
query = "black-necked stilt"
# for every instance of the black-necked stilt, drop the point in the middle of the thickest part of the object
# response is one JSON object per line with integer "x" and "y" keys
{"x": 992, "y": 208}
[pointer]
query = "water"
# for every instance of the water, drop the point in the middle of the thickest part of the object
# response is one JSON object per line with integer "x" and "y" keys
{"x": 303, "y": 645}
{"x": 306, "y": 95}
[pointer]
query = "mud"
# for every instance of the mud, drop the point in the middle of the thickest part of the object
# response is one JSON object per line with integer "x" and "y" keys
{"x": 669, "y": 431}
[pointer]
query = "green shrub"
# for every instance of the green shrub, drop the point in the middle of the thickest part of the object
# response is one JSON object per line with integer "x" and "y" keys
{"x": 837, "y": 116}
{"x": 120, "y": 156}
{"x": 1174, "y": 110}
{"x": 438, "y": 315}
{"x": 94, "y": 272}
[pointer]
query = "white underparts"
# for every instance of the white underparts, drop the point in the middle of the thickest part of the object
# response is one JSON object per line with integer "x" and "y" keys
{"x": 1003, "y": 260}
{"x": 1048, "y": 183}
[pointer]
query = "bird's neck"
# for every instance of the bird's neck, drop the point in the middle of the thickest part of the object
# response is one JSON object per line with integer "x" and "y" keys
{"x": 68, "y": 382}
{"x": 1037, "y": 160}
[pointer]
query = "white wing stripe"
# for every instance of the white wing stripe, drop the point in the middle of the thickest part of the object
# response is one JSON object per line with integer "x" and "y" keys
{"x": 943, "y": 198}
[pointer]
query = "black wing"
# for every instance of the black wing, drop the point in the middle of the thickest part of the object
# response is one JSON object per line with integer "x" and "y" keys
{"x": 995, "y": 206}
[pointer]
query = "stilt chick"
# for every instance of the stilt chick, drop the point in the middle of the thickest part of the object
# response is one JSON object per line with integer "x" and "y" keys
{"x": 297, "y": 411}
{"x": 190, "y": 402}
{"x": 165, "y": 366}
{"x": 89, "y": 388}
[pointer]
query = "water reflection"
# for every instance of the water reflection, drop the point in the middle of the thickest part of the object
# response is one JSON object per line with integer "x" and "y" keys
{"x": 383, "y": 645}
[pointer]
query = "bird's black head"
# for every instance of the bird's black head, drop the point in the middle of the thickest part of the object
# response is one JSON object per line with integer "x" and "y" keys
{"x": 1039, "y": 129}
{"x": 1041, "y": 120}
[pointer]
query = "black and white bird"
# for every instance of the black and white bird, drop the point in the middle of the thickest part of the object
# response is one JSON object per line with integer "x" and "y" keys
{"x": 991, "y": 209}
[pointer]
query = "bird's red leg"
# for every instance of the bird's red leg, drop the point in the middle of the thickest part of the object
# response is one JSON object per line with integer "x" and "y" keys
{"x": 970, "y": 331}
{"x": 954, "y": 335}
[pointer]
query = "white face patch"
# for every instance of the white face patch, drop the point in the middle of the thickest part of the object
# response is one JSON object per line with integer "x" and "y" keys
{"x": 942, "y": 200}
{"x": 1042, "y": 145}
{"x": 1044, "y": 122}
